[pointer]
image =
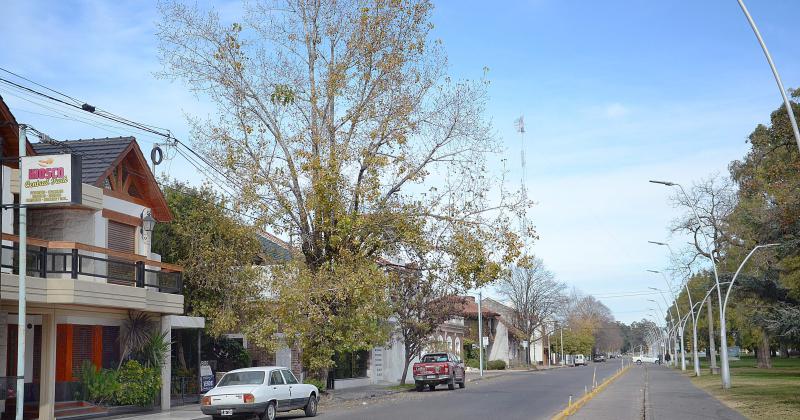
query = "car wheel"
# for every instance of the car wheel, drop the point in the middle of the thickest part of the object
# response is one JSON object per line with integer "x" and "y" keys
{"x": 432, "y": 387}
{"x": 311, "y": 406}
{"x": 638, "y": 362}
{"x": 452, "y": 384}
{"x": 269, "y": 413}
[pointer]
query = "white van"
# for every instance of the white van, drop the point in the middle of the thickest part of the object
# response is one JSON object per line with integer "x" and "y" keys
{"x": 580, "y": 360}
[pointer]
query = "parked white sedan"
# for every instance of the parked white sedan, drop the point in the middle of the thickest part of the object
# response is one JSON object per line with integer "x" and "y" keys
{"x": 261, "y": 391}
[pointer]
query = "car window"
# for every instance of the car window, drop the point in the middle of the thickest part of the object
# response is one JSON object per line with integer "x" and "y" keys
{"x": 434, "y": 358}
{"x": 242, "y": 378}
{"x": 289, "y": 376}
{"x": 275, "y": 378}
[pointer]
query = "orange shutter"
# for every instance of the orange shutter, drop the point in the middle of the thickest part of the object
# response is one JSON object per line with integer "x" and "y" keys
{"x": 97, "y": 346}
{"x": 64, "y": 352}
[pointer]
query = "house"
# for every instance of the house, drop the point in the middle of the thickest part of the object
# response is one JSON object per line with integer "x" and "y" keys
{"x": 538, "y": 347}
{"x": 89, "y": 265}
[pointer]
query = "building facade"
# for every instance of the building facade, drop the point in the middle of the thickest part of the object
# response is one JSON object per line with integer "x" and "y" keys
{"x": 88, "y": 266}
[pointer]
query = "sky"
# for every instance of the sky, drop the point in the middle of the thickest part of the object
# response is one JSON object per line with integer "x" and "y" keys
{"x": 613, "y": 93}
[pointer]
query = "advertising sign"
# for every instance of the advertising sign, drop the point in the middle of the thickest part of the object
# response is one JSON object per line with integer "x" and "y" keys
{"x": 50, "y": 179}
{"x": 206, "y": 376}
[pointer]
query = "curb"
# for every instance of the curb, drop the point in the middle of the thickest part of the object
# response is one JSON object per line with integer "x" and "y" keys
{"x": 574, "y": 407}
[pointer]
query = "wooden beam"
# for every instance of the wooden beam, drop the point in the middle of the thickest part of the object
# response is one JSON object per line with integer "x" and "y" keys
{"x": 123, "y": 218}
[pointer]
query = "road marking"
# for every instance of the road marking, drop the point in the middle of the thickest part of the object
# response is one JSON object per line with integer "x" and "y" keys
{"x": 574, "y": 407}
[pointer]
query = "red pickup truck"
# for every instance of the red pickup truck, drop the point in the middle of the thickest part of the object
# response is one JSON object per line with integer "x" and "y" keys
{"x": 439, "y": 369}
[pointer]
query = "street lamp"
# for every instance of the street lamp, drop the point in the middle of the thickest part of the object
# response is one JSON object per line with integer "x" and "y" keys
{"x": 677, "y": 309}
{"x": 695, "y": 357}
{"x": 725, "y": 370}
{"x": 775, "y": 74}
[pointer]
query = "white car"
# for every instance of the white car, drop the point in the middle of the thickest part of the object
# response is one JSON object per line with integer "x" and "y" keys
{"x": 646, "y": 359}
{"x": 580, "y": 360}
{"x": 261, "y": 391}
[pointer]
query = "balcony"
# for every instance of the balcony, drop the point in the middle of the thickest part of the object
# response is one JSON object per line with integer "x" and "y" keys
{"x": 78, "y": 261}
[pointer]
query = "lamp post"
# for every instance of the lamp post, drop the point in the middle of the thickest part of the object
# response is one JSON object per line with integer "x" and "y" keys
{"x": 695, "y": 357}
{"x": 672, "y": 322}
{"x": 480, "y": 334}
{"x": 679, "y": 331}
{"x": 775, "y": 74}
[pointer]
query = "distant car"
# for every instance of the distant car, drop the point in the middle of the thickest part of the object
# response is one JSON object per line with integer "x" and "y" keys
{"x": 260, "y": 391}
{"x": 579, "y": 360}
{"x": 646, "y": 359}
{"x": 599, "y": 358}
{"x": 439, "y": 369}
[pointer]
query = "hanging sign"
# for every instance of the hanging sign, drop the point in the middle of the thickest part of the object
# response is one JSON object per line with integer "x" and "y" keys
{"x": 50, "y": 179}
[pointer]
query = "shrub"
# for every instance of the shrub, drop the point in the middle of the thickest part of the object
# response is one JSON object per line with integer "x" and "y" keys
{"x": 496, "y": 365}
{"x": 473, "y": 363}
{"x": 99, "y": 385}
{"x": 138, "y": 385}
{"x": 316, "y": 382}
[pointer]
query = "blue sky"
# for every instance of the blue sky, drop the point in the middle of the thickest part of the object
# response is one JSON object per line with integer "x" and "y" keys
{"x": 614, "y": 93}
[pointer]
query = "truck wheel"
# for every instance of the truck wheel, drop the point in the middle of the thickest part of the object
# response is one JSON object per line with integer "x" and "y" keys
{"x": 463, "y": 383}
{"x": 432, "y": 387}
{"x": 419, "y": 386}
{"x": 451, "y": 385}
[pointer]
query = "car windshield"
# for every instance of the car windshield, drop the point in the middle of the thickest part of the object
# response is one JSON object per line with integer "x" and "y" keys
{"x": 242, "y": 378}
{"x": 434, "y": 358}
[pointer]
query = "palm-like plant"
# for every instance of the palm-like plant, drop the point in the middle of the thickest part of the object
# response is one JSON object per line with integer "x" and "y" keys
{"x": 134, "y": 334}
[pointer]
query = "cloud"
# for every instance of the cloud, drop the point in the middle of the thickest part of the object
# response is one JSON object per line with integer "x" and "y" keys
{"x": 616, "y": 110}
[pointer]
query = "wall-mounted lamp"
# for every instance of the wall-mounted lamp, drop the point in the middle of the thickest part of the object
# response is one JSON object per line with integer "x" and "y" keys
{"x": 148, "y": 224}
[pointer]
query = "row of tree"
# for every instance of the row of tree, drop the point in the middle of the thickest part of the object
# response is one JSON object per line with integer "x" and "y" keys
{"x": 758, "y": 203}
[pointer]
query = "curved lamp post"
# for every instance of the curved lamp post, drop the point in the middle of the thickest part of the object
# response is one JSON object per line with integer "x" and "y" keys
{"x": 695, "y": 357}
{"x": 775, "y": 74}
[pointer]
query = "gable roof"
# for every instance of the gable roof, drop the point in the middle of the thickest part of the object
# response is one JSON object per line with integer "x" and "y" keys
{"x": 98, "y": 155}
{"x": 274, "y": 248}
{"x": 99, "y": 159}
{"x": 9, "y": 134}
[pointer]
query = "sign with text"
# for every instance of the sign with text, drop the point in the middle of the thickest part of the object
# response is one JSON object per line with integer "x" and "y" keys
{"x": 206, "y": 376}
{"x": 50, "y": 179}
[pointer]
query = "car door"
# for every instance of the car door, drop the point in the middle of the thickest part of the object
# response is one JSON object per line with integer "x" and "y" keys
{"x": 296, "y": 395}
{"x": 279, "y": 390}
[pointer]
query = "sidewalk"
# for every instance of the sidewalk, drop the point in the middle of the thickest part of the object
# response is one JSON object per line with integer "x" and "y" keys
{"x": 383, "y": 390}
{"x": 623, "y": 399}
{"x": 655, "y": 392}
{"x": 671, "y": 395}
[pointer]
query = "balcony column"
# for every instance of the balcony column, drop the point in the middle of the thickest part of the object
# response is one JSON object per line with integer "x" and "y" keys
{"x": 166, "y": 367}
{"x": 47, "y": 379}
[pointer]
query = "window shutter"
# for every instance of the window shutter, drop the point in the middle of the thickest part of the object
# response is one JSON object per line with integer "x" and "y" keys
{"x": 122, "y": 238}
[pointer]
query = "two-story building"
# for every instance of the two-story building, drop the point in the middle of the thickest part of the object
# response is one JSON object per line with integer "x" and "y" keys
{"x": 88, "y": 266}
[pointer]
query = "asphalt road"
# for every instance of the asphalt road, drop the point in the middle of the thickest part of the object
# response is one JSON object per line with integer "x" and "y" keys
{"x": 517, "y": 395}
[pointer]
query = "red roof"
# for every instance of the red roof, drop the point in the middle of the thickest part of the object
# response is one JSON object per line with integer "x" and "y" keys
{"x": 471, "y": 308}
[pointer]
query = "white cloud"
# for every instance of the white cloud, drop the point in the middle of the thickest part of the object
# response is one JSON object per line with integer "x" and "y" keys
{"x": 616, "y": 110}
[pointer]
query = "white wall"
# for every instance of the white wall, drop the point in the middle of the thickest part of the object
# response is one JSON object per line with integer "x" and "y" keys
{"x": 499, "y": 349}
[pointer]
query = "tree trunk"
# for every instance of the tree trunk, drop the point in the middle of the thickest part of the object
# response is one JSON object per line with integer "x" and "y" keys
{"x": 712, "y": 345}
{"x": 407, "y": 357}
{"x": 181, "y": 354}
{"x": 762, "y": 352}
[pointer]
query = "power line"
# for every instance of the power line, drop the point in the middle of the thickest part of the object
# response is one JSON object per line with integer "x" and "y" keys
{"x": 41, "y": 86}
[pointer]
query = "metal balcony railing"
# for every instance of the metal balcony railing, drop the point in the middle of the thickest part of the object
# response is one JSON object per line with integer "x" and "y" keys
{"x": 75, "y": 260}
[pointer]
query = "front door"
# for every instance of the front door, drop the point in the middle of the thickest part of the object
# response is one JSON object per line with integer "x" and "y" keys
{"x": 280, "y": 391}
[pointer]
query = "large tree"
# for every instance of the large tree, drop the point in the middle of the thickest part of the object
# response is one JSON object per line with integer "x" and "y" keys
{"x": 217, "y": 251}
{"x": 336, "y": 124}
{"x": 534, "y": 294}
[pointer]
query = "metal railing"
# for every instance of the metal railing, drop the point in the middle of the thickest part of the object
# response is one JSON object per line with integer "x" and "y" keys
{"x": 76, "y": 260}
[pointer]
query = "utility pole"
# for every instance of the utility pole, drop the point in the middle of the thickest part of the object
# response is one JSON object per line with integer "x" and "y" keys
{"x": 562, "y": 345}
{"x": 480, "y": 334}
{"x": 22, "y": 322}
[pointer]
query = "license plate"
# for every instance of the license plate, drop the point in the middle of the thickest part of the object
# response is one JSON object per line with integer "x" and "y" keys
{"x": 431, "y": 377}
{"x": 228, "y": 412}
